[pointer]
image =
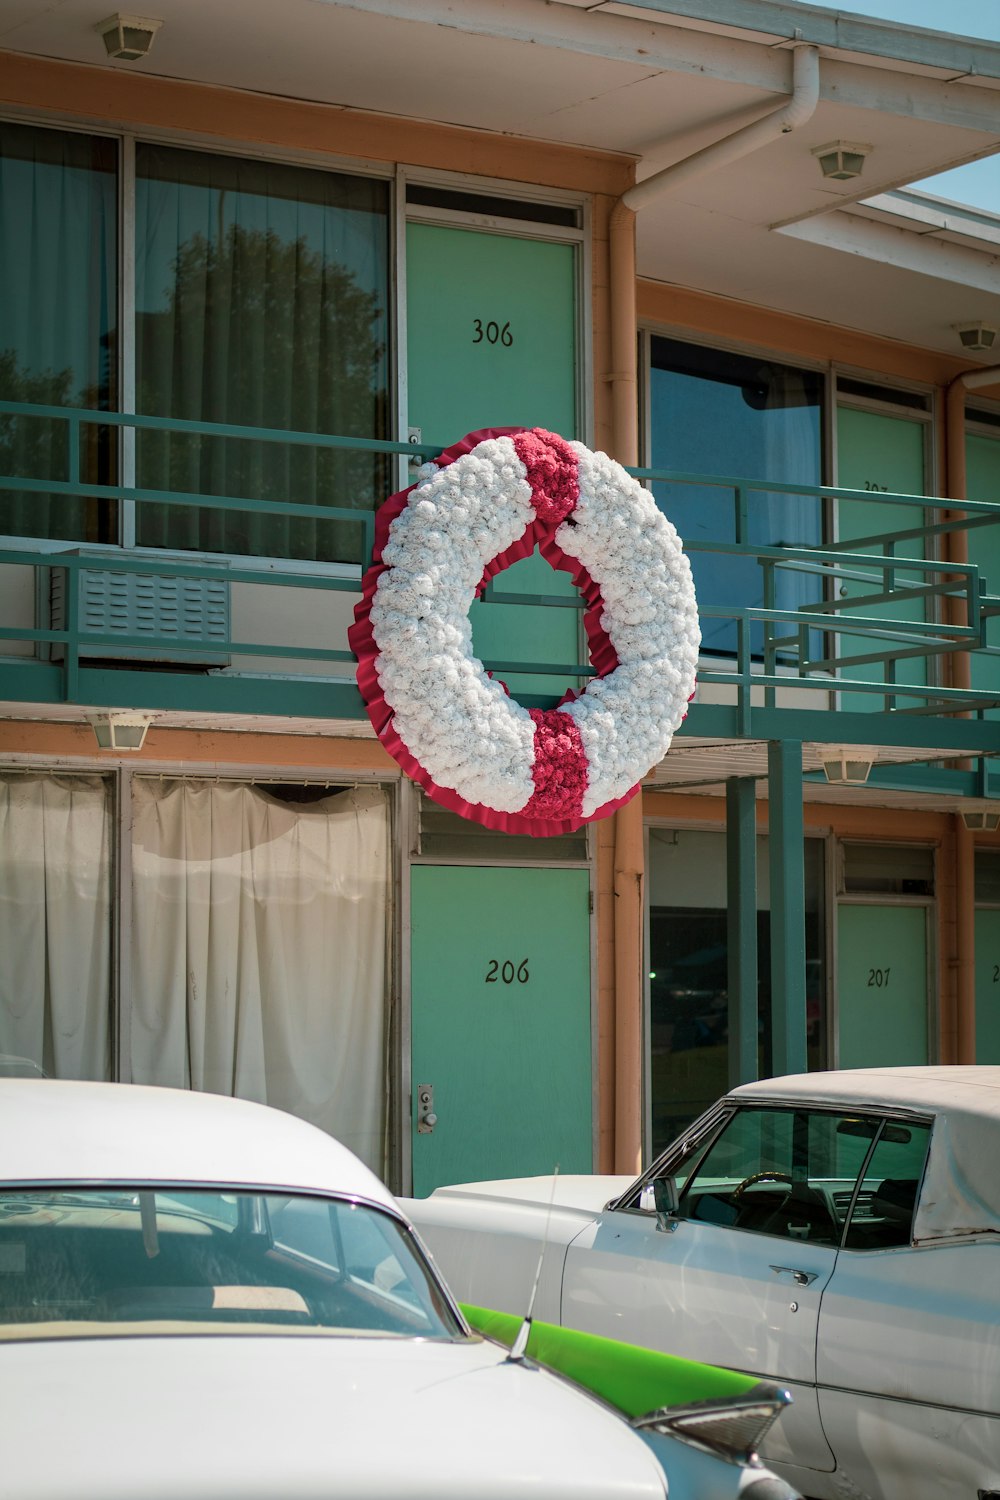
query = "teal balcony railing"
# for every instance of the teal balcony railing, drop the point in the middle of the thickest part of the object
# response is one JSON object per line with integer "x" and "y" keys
{"x": 862, "y": 628}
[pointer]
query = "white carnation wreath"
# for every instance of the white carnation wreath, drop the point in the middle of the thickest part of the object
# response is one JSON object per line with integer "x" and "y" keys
{"x": 436, "y": 709}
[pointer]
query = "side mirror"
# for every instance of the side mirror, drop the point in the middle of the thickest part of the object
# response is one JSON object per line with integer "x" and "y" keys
{"x": 667, "y": 1202}
{"x": 660, "y": 1195}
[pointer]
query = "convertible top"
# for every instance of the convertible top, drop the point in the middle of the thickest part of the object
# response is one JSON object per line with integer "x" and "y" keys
{"x": 961, "y": 1191}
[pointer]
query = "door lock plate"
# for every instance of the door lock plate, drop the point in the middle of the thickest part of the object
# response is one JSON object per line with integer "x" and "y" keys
{"x": 426, "y": 1118}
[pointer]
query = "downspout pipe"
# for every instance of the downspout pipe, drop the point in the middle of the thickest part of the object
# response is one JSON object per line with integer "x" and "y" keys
{"x": 629, "y": 861}
{"x": 799, "y": 109}
{"x": 965, "y": 881}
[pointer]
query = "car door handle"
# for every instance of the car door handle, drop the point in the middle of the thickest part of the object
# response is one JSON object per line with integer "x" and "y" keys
{"x": 801, "y": 1278}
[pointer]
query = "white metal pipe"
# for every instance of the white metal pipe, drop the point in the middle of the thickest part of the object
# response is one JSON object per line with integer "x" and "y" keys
{"x": 799, "y": 108}
{"x": 971, "y": 380}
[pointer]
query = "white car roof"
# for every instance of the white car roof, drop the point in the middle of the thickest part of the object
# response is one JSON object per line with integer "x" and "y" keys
{"x": 55, "y": 1131}
{"x": 961, "y": 1189}
{"x": 976, "y": 1088}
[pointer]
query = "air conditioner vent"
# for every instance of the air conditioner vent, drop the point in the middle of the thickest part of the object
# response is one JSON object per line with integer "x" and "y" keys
{"x": 117, "y": 604}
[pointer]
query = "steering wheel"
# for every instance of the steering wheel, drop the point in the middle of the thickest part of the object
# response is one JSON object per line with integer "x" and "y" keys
{"x": 755, "y": 1177}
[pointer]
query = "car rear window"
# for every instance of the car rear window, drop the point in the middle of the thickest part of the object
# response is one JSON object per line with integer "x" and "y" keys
{"x": 78, "y": 1261}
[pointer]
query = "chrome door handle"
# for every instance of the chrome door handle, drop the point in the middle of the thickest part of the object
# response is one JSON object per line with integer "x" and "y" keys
{"x": 801, "y": 1278}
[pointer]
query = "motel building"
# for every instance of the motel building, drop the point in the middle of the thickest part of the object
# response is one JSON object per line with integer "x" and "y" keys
{"x": 258, "y": 263}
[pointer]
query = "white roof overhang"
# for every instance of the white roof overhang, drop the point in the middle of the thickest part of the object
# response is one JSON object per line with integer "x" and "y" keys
{"x": 653, "y": 80}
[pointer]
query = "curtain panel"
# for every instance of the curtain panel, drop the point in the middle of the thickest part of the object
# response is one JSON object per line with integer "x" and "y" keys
{"x": 56, "y": 840}
{"x": 58, "y": 322}
{"x": 260, "y": 932}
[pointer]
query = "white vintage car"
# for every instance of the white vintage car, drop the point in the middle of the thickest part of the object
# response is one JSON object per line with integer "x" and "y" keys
{"x": 838, "y": 1232}
{"x": 206, "y": 1298}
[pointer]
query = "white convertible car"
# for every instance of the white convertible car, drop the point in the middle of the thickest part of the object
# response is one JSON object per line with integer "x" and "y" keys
{"x": 206, "y": 1298}
{"x": 837, "y": 1232}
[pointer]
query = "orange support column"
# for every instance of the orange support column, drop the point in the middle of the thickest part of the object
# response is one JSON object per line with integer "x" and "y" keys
{"x": 629, "y": 857}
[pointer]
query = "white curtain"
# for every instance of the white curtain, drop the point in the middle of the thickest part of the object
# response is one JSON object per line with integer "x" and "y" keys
{"x": 55, "y": 922}
{"x": 260, "y": 932}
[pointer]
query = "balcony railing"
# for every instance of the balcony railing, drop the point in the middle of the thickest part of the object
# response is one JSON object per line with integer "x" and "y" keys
{"x": 885, "y": 613}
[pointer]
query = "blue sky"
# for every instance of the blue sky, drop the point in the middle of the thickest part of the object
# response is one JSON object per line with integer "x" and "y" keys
{"x": 979, "y": 182}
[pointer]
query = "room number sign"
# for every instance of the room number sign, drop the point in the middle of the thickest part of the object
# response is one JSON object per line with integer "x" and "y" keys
{"x": 491, "y": 333}
{"x": 505, "y": 971}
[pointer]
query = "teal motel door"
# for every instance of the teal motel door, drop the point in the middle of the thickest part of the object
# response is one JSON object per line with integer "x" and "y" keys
{"x": 491, "y": 331}
{"x": 879, "y": 453}
{"x": 500, "y": 977}
{"x": 500, "y": 1022}
{"x": 882, "y": 1013}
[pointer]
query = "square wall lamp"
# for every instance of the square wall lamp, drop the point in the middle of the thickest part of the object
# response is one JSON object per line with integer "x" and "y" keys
{"x": 841, "y": 160}
{"x": 120, "y": 731}
{"x": 983, "y": 817}
{"x": 128, "y": 38}
{"x": 847, "y": 765}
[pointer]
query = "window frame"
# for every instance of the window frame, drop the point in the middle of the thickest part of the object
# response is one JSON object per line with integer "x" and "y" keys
{"x": 126, "y": 268}
{"x": 695, "y": 1144}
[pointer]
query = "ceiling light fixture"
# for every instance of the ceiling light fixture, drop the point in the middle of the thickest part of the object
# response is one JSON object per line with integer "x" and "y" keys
{"x": 982, "y": 817}
{"x": 128, "y": 38}
{"x": 846, "y": 765}
{"x": 119, "y": 731}
{"x": 841, "y": 160}
{"x": 977, "y": 335}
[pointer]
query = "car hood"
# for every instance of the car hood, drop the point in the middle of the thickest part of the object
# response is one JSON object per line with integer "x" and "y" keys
{"x": 586, "y": 1193}
{"x": 220, "y": 1417}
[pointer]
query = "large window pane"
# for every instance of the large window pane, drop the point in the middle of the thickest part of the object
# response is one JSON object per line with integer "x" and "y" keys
{"x": 689, "y": 973}
{"x": 58, "y": 323}
{"x": 109, "y": 1261}
{"x": 712, "y": 412}
{"x": 262, "y": 301}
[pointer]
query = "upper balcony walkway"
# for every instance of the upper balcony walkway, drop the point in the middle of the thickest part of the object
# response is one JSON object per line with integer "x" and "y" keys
{"x": 880, "y": 638}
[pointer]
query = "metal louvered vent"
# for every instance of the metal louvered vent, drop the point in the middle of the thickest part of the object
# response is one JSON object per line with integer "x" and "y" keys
{"x": 863, "y": 1209}
{"x": 186, "y": 618}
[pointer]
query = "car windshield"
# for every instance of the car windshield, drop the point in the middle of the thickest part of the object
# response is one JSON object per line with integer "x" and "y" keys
{"x": 85, "y": 1261}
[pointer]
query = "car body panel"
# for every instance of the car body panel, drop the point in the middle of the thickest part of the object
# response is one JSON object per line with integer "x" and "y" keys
{"x": 489, "y": 1250}
{"x": 706, "y": 1293}
{"x": 892, "y": 1354}
{"x": 202, "y": 1296}
{"x": 302, "y": 1416}
{"x": 939, "y": 1311}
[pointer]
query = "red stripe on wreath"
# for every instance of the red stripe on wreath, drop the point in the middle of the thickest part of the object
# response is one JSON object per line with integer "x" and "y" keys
{"x": 553, "y": 474}
{"x": 560, "y": 767}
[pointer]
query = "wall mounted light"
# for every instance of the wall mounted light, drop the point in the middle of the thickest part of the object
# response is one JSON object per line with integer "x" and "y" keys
{"x": 976, "y": 335}
{"x": 841, "y": 160}
{"x": 982, "y": 817}
{"x": 120, "y": 731}
{"x": 846, "y": 765}
{"x": 128, "y": 37}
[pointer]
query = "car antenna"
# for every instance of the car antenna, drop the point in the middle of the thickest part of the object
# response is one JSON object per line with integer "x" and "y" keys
{"x": 520, "y": 1345}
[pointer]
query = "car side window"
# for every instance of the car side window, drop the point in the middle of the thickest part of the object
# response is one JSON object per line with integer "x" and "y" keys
{"x": 882, "y": 1215}
{"x": 784, "y": 1172}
